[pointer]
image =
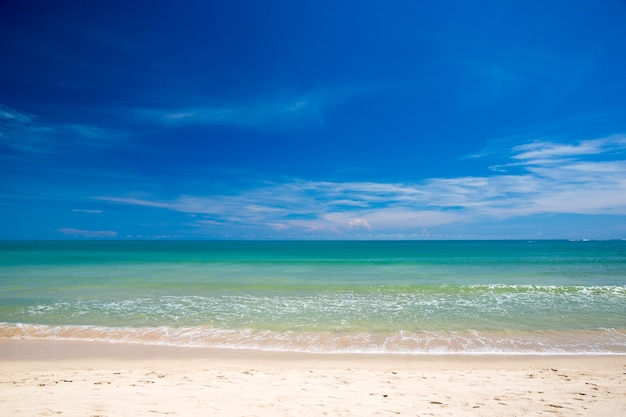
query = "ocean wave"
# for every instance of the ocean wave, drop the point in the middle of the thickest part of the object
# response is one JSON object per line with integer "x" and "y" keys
{"x": 537, "y": 308}
{"x": 600, "y": 341}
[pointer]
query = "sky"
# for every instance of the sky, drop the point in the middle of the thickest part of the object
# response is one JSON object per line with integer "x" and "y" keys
{"x": 312, "y": 120}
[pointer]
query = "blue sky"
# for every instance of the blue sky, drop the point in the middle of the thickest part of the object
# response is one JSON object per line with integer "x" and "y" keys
{"x": 312, "y": 120}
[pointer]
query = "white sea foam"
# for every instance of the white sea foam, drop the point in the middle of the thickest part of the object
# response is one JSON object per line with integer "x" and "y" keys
{"x": 602, "y": 341}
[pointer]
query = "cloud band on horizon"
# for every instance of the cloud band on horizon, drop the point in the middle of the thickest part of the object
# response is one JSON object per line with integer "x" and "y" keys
{"x": 556, "y": 179}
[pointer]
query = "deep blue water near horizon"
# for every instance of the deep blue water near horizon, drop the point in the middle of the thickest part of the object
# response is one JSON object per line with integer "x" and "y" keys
{"x": 417, "y": 297}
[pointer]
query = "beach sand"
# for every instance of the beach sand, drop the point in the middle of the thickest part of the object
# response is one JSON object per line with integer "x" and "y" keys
{"x": 88, "y": 379}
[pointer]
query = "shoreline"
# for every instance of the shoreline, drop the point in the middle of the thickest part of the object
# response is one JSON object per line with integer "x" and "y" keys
{"x": 70, "y": 350}
{"x": 609, "y": 341}
{"x": 71, "y": 378}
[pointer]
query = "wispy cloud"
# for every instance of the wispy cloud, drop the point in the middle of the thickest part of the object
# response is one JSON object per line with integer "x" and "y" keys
{"x": 19, "y": 131}
{"x": 27, "y": 133}
{"x": 10, "y": 118}
{"x": 543, "y": 150}
{"x": 87, "y": 211}
{"x": 557, "y": 179}
{"x": 254, "y": 114}
{"x": 87, "y": 233}
{"x": 274, "y": 111}
{"x": 258, "y": 113}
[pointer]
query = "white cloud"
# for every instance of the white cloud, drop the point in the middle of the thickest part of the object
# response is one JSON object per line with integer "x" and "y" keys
{"x": 568, "y": 183}
{"x": 548, "y": 151}
{"x": 88, "y": 233}
{"x": 544, "y": 151}
{"x": 355, "y": 223}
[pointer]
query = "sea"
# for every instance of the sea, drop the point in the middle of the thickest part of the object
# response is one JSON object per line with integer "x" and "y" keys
{"x": 362, "y": 297}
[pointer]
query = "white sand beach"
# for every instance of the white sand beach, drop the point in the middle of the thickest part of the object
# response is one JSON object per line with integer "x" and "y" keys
{"x": 39, "y": 378}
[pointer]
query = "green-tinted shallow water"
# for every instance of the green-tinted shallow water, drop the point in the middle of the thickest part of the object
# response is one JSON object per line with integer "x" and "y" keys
{"x": 390, "y": 297}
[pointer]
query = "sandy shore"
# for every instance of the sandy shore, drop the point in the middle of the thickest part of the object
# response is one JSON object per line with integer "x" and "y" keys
{"x": 40, "y": 378}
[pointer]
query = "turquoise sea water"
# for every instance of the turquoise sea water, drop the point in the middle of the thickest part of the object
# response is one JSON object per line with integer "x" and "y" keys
{"x": 418, "y": 297}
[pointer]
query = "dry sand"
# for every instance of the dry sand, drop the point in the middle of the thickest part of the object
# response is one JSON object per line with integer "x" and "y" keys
{"x": 45, "y": 378}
